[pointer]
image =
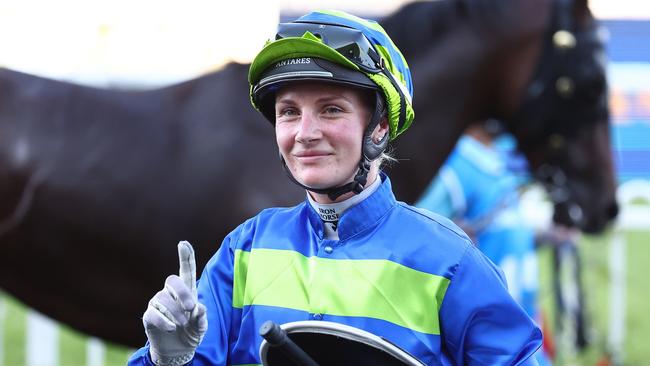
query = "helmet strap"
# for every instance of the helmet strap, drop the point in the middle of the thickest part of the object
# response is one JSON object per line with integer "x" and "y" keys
{"x": 379, "y": 61}
{"x": 370, "y": 151}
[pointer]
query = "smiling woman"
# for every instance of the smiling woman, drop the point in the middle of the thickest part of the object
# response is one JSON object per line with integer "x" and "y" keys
{"x": 133, "y": 173}
{"x": 318, "y": 128}
{"x": 337, "y": 90}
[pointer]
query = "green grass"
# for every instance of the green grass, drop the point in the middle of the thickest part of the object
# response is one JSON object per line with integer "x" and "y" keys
{"x": 638, "y": 286}
{"x": 595, "y": 260}
{"x": 72, "y": 344}
{"x": 14, "y": 336}
{"x": 596, "y": 280}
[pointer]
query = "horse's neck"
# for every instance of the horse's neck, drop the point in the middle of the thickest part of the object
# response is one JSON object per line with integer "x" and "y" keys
{"x": 447, "y": 97}
{"x": 499, "y": 23}
{"x": 445, "y": 56}
{"x": 461, "y": 72}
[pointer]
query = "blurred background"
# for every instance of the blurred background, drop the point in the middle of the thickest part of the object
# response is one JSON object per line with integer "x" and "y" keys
{"x": 146, "y": 43}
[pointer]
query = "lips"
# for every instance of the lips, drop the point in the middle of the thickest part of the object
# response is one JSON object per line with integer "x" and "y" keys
{"x": 311, "y": 156}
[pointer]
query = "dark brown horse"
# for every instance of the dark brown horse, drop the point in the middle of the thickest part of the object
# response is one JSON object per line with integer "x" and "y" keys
{"x": 98, "y": 186}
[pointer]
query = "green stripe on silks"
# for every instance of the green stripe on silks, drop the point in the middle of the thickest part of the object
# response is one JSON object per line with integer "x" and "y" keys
{"x": 377, "y": 289}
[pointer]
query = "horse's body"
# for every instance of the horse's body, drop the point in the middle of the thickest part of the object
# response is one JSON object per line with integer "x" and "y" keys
{"x": 98, "y": 186}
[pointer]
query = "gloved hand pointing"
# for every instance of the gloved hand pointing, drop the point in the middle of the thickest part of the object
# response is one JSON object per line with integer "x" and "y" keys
{"x": 175, "y": 321}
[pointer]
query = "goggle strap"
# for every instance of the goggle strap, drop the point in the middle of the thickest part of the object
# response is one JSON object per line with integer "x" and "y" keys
{"x": 402, "y": 101}
{"x": 379, "y": 61}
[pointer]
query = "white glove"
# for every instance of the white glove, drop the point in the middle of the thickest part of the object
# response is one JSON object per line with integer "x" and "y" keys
{"x": 175, "y": 321}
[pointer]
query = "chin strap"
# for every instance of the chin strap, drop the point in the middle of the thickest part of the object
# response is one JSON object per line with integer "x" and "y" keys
{"x": 370, "y": 150}
{"x": 333, "y": 193}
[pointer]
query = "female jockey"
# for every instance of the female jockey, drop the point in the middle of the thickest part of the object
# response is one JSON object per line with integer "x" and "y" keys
{"x": 336, "y": 89}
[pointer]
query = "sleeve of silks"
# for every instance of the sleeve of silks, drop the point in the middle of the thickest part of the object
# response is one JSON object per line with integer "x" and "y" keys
{"x": 214, "y": 290}
{"x": 481, "y": 324}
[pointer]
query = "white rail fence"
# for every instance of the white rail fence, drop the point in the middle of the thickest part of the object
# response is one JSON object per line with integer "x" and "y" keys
{"x": 634, "y": 199}
{"x": 42, "y": 341}
{"x": 42, "y": 346}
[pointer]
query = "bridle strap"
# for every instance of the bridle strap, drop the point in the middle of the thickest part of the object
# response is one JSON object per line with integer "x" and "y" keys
{"x": 555, "y": 82}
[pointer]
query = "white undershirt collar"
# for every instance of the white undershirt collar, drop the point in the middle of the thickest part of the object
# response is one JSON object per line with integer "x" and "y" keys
{"x": 331, "y": 212}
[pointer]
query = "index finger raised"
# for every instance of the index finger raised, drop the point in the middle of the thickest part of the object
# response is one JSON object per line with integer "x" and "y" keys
{"x": 187, "y": 270}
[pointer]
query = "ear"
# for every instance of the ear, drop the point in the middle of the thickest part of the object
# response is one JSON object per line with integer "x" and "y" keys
{"x": 381, "y": 130}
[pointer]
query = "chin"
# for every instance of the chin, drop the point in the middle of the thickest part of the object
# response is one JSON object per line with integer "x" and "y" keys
{"x": 322, "y": 176}
{"x": 319, "y": 180}
{"x": 315, "y": 182}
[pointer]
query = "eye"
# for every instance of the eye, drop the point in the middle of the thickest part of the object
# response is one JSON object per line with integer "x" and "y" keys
{"x": 332, "y": 109}
{"x": 286, "y": 112}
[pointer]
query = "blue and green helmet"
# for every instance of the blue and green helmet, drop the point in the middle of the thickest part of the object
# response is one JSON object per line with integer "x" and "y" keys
{"x": 337, "y": 47}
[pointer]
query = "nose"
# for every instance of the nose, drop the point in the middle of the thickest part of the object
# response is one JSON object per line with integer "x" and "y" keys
{"x": 597, "y": 223}
{"x": 308, "y": 128}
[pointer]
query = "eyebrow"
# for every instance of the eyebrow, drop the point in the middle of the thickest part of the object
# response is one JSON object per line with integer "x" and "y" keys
{"x": 329, "y": 98}
{"x": 323, "y": 99}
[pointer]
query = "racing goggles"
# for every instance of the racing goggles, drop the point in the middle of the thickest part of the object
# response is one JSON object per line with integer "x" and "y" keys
{"x": 349, "y": 42}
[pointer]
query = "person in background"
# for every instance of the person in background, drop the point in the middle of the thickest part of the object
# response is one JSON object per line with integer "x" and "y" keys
{"x": 479, "y": 188}
{"x": 337, "y": 90}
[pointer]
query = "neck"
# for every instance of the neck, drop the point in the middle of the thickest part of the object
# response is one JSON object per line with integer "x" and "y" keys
{"x": 447, "y": 99}
{"x": 330, "y": 213}
{"x": 461, "y": 78}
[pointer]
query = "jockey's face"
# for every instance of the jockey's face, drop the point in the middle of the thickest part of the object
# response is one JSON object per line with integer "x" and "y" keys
{"x": 319, "y": 128}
